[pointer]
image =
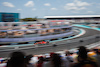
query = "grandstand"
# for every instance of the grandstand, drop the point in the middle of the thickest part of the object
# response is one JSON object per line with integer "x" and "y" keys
{"x": 32, "y": 32}
{"x": 76, "y": 18}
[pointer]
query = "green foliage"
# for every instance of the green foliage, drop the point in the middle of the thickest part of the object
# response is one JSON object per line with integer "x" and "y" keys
{"x": 29, "y": 19}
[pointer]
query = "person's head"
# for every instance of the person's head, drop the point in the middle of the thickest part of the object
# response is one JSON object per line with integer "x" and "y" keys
{"x": 98, "y": 51}
{"x": 28, "y": 58}
{"x": 67, "y": 53}
{"x": 5, "y": 61}
{"x": 51, "y": 54}
{"x": 56, "y": 60}
{"x": 82, "y": 52}
{"x": 17, "y": 59}
{"x": 41, "y": 58}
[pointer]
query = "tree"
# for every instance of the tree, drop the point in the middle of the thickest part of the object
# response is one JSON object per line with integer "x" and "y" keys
{"x": 29, "y": 19}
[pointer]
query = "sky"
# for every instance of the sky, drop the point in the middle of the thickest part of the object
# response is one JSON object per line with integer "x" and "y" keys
{"x": 41, "y": 8}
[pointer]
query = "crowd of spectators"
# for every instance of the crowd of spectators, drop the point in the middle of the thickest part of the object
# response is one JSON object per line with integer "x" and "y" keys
{"x": 83, "y": 57}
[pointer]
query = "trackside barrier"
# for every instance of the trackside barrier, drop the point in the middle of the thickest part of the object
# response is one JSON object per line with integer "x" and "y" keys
{"x": 5, "y": 48}
{"x": 88, "y": 46}
{"x": 76, "y": 40}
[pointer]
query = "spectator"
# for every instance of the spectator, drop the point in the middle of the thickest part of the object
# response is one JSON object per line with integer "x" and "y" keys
{"x": 3, "y": 63}
{"x": 91, "y": 53}
{"x": 55, "y": 61}
{"x": 34, "y": 60}
{"x": 17, "y": 60}
{"x": 51, "y": 54}
{"x": 67, "y": 60}
{"x": 40, "y": 62}
{"x": 97, "y": 56}
{"x": 27, "y": 60}
{"x": 83, "y": 59}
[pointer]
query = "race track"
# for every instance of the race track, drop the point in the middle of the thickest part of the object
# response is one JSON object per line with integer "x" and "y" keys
{"x": 65, "y": 45}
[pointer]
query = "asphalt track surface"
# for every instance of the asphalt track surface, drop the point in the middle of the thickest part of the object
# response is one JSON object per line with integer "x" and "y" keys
{"x": 48, "y": 49}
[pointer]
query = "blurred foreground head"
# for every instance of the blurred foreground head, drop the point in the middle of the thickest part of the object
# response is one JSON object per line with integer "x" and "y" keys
{"x": 56, "y": 60}
{"x": 17, "y": 59}
{"x": 82, "y": 52}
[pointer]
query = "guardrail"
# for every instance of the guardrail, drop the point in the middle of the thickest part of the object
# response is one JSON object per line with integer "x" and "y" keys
{"x": 88, "y": 46}
{"x": 34, "y": 38}
{"x": 79, "y": 39}
{"x": 5, "y": 48}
